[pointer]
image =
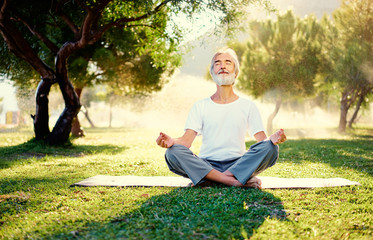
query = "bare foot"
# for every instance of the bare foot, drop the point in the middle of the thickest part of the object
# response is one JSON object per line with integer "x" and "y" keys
{"x": 278, "y": 137}
{"x": 254, "y": 182}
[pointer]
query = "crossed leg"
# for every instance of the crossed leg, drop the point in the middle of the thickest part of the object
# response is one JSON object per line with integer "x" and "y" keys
{"x": 229, "y": 179}
{"x": 175, "y": 155}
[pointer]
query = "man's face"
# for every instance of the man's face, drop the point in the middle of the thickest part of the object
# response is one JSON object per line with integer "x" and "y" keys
{"x": 223, "y": 70}
{"x": 223, "y": 65}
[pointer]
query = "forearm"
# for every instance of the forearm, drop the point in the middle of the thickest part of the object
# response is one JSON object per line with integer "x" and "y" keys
{"x": 260, "y": 136}
{"x": 182, "y": 141}
{"x": 187, "y": 139}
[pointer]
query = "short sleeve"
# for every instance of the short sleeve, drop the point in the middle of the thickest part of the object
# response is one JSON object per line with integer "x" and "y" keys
{"x": 194, "y": 120}
{"x": 255, "y": 120}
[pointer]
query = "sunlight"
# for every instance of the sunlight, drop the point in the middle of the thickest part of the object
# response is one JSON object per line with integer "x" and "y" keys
{"x": 9, "y": 101}
{"x": 195, "y": 27}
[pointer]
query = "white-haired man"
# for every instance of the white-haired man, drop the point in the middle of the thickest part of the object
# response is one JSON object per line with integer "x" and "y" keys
{"x": 223, "y": 120}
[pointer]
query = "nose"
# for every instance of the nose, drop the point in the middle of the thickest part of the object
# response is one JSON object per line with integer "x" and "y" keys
{"x": 224, "y": 67}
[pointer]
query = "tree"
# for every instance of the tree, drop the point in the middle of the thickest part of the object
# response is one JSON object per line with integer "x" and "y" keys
{"x": 46, "y": 37}
{"x": 281, "y": 60}
{"x": 349, "y": 55}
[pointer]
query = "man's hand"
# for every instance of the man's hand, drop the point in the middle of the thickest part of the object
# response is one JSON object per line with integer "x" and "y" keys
{"x": 165, "y": 141}
{"x": 278, "y": 137}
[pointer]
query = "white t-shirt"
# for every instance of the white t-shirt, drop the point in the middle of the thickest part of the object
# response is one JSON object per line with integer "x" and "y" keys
{"x": 223, "y": 127}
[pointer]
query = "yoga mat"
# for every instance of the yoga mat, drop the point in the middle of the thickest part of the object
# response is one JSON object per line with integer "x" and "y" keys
{"x": 163, "y": 181}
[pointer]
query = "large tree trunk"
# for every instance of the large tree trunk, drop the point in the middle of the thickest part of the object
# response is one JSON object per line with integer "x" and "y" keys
{"x": 22, "y": 49}
{"x": 41, "y": 117}
{"x": 76, "y": 129}
{"x": 343, "y": 117}
{"x": 272, "y": 116}
{"x": 358, "y": 105}
{"x": 345, "y": 105}
{"x": 61, "y": 131}
{"x": 88, "y": 32}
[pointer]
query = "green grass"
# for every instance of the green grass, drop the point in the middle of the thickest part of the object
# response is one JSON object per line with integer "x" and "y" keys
{"x": 36, "y": 201}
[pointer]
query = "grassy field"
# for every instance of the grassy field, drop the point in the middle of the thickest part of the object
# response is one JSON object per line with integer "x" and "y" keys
{"x": 37, "y": 202}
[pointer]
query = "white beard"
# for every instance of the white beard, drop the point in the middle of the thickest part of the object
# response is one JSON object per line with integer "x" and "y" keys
{"x": 224, "y": 79}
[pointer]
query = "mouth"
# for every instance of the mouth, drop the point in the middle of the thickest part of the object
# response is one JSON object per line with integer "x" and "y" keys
{"x": 223, "y": 72}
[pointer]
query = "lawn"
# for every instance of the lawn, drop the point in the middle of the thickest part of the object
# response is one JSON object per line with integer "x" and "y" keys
{"x": 37, "y": 202}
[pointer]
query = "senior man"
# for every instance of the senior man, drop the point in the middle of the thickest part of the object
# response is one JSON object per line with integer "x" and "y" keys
{"x": 223, "y": 120}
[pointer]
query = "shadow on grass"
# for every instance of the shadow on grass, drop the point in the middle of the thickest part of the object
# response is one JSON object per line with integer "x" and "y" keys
{"x": 363, "y": 136}
{"x": 190, "y": 213}
{"x": 15, "y": 184}
{"x": 36, "y": 150}
{"x": 17, "y": 195}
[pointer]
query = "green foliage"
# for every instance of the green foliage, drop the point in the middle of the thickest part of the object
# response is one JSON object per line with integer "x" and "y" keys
{"x": 281, "y": 57}
{"x": 146, "y": 39}
{"x": 348, "y": 48}
{"x": 239, "y": 47}
{"x": 348, "y": 57}
{"x": 139, "y": 39}
{"x": 36, "y": 200}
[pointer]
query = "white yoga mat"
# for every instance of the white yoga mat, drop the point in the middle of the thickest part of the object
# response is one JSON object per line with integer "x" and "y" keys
{"x": 163, "y": 181}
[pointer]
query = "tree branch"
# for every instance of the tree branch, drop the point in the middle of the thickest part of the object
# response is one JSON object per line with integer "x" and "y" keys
{"x": 136, "y": 25}
{"x": 121, "y": 21}
{"x": 42, "y": 37}
{"x": 85, "y": 35}
{"x": 66, "y": 19}
{"x": 82, "y": 5}
{"x": 91, "y": 19}
{"x": 144, "y": 16}
{"x": 19, "y": 46}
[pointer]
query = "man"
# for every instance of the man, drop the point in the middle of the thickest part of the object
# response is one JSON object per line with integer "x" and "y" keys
{"x": 223, "y": 120}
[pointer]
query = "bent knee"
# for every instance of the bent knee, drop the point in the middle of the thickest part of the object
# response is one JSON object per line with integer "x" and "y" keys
{"x": 274, "y": 147}
{"x": 265, "y": 147}
{"x": 174, "y": 150}
{"x": 169, "y": 153}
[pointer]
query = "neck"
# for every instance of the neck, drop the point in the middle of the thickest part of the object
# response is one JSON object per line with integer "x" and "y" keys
{"x": 224, "y": 94}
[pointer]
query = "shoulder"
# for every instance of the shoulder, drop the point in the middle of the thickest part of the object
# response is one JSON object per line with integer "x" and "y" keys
{"x": 246, "y": 102}
{"x": 248, "y": 106}
{"x": 199, "y": 107}
{"x": 202, "y": 102}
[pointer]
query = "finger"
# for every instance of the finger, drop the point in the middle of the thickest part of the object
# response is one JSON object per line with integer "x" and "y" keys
{"x": 159, "y": 139}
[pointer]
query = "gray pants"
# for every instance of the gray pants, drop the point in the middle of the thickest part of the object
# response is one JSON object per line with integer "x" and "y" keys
{"x": 261, "y": 155}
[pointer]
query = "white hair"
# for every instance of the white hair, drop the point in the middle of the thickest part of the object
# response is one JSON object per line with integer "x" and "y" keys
{"x": 231, "y": 53}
